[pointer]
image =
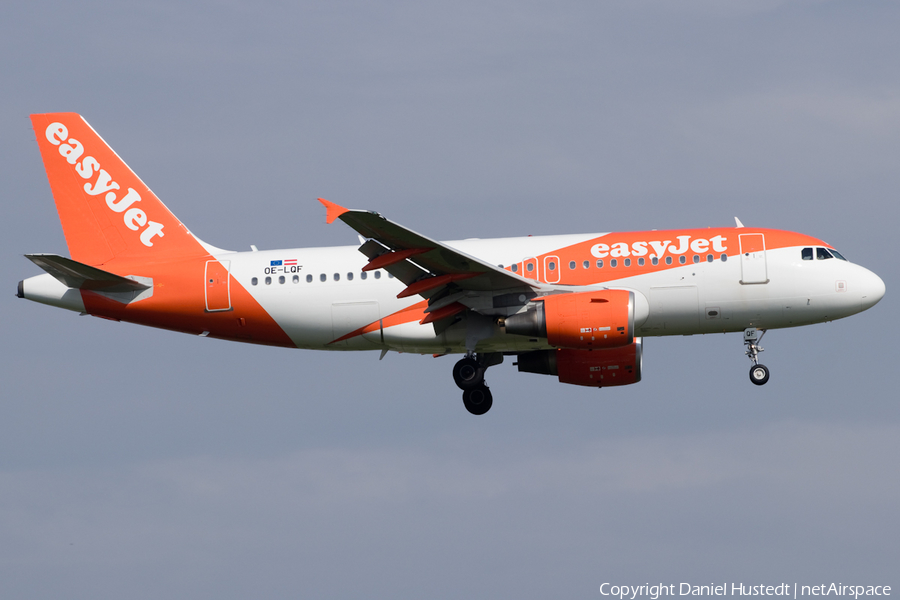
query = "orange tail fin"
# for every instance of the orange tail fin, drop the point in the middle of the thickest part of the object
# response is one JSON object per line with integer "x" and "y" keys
{"x": 106, "y": 211}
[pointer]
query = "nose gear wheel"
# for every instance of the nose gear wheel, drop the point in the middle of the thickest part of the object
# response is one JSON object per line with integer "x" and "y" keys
{"x": 759, "y": 374}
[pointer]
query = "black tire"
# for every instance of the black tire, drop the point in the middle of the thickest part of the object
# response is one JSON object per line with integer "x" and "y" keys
{"x": 759, "y": 374}
{"x": 468, "y": 374}
{"x": 478, "y": 400}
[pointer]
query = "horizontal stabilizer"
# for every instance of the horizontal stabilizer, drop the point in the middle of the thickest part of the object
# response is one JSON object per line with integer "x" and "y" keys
{"x": 80, "y": 276}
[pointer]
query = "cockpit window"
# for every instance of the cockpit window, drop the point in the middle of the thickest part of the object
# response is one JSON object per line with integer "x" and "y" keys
{"x": 823, "y": 254}
{"x": 806, "y": 254}
{"x": 838, "y": 255}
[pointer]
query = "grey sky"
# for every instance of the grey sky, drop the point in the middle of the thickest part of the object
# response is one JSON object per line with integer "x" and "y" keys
{"x": 143, "y": 464}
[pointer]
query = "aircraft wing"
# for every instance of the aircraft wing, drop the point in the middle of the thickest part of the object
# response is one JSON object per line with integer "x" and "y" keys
{"x": 429, "y": 268}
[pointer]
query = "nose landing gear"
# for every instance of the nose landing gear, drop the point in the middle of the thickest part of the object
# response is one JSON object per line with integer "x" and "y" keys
{"x": 468, "y": 373}
{"x": 759, "y": 374}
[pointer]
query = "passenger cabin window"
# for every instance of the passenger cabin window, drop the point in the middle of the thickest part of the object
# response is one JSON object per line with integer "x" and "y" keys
{"x": 337, "y": 276}
{"x": 551, "y": 265}
{"x": 515, "y": 268}
{"x": 806, "y": 254}
{"x": 586, "y": 264}
{"x": 377, "y": 274}
{"x": 613, "y": 263}
{"x": 654, "y": 261}
{"x": 363, "y": 275}
{"x": 349, "y": 276}
{"x": 295, "y": 279}
{"x": 281, "y": 279}
{"x": 627, "y": 262}
{"x": 254, "y": 281}
{"x": 696, "y": 258}
{"x": 668, "y": 260}
{"x": 709, "y": 258}
{"x": 309, "y": 279}
{"x": 323, "y": 277}
{"x": 599, "y": 264}
{"x": 641, "y": 262}
{"x": 571, "y": 264}
{"x": 268, "y": 281}
{"x": 529, "y": 267}
{"x": 823, "y": 254}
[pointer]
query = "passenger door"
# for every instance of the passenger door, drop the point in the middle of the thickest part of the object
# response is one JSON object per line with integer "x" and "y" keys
{"x": 753, "y": 258}
{"x": 218, "y": 285}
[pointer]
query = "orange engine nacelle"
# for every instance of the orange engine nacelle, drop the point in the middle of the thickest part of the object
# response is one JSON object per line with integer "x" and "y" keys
{"x": 582, "y": 320}
{"x": 594, "y": 368}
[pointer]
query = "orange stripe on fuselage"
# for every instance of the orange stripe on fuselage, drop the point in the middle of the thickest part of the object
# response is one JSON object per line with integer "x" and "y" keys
{"x": 413, "y": 313}
{"x": 179, "y": 303}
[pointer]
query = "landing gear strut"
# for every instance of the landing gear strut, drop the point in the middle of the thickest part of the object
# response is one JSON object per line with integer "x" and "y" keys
{"x": 468, "y": 374}
{"x": 759, "y": 374}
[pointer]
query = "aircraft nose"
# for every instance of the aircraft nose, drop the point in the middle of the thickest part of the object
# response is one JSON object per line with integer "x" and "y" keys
{"x": 871, "y": 288}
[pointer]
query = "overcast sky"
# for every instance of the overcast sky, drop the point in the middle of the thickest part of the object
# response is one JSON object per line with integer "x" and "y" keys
{"x": 137, "y": 463}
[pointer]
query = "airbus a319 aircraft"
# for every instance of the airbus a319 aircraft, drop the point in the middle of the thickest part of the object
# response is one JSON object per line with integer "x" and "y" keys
{"x": 576, "y": 307}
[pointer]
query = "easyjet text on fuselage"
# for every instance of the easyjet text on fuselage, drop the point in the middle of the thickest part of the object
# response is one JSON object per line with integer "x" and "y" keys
{"x": 657, "y": 249}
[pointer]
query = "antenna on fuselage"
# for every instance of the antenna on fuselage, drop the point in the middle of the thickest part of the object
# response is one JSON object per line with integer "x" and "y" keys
{"x": 737, "y": 223}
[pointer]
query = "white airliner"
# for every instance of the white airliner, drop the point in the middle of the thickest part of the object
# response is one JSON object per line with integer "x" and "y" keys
{"x": 572, "y": 306}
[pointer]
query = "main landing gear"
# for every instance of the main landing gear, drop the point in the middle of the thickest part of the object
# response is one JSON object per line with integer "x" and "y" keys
{"x": 759, "y": 374}
{"x": 468, "y": 374}
{"x": 478, "y": 400}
